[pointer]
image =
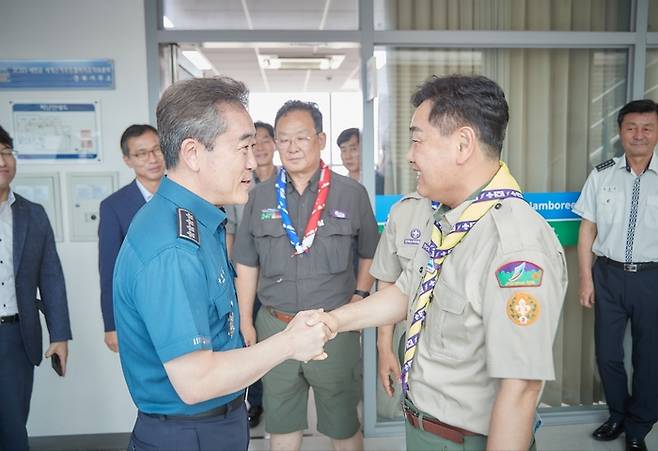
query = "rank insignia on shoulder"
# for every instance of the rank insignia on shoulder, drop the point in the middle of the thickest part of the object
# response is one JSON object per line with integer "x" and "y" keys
{"x": 605, "y": 165}
{"x": 187, "y": 226}
{"x": 523, "y": 309}
{"x": 519, "y": 274}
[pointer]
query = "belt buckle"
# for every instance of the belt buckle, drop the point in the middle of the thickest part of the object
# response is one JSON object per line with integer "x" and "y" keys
{"x": 630, "y": 267}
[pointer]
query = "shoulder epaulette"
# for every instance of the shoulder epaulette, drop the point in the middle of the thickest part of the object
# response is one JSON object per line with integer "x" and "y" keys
{"x": 605, "y": 165}
{"x": 187, "y": 226}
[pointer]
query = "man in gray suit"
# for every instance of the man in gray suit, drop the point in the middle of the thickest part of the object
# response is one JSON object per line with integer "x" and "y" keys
{"x": 28, "y": 260}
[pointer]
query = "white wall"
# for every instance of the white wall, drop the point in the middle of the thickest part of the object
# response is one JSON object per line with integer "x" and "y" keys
{"x": 93, "y": 397}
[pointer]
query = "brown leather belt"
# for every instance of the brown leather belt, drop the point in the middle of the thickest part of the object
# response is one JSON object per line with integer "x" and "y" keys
{"x": 436, "y": 427}
{"x": 281, "y": 316}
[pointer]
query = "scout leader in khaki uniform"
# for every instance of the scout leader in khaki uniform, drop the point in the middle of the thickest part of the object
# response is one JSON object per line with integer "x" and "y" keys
{"x": 296, "y": 244}
{"x": 481, "y": 322}
{"x": 397, "y": 247}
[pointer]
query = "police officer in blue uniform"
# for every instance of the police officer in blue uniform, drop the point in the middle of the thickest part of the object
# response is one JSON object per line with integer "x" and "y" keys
{"x": 619, "y": 210}
{"x": 175, "y": 305}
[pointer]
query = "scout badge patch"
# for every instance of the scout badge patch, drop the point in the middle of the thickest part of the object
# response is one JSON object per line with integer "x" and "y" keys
{"x": 270, "y": 213}
{"x": 523, "y": 309}
{"x": 520, "y": 273}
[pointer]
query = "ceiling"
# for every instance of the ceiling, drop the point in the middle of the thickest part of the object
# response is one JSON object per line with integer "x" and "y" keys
{"x": 240, "y": 60}
{"x": 262, "y": 14}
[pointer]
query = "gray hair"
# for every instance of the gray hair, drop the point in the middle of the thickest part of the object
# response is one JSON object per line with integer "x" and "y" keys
{"x": 191, "y": 109}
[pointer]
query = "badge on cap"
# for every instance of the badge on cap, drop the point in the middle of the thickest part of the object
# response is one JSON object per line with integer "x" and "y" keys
{"x": 523, "y": 309}
{"x": 519, "y": 274}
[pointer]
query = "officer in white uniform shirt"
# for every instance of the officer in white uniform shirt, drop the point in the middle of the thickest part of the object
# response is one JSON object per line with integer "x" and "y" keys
{"x": 619, "y": 210}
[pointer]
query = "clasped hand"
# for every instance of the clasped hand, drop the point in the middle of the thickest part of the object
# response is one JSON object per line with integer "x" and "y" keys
{"x": 310, "y": 330}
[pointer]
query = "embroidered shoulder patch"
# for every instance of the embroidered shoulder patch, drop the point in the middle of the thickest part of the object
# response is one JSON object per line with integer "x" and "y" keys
{"x": 187, "y": 226}
{"x": 520, "y": 273}
{"x": 605, "y": 165}
{"x": 523, "y": 309}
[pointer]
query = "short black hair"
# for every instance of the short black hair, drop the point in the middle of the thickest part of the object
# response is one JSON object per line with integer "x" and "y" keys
{"x": 637, "y": 106}
{"x": 297, "y": 105}
{"x": 266, "y": 126}
{"x": 5, "y": 138}
{"x": 347, "y": 134}
{"x": 472, "y": 100}
{"x": 134, "y": 131}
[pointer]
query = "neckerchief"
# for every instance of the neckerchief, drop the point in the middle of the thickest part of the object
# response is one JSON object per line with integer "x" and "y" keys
{"x": 316, "y": 213}
{"x": 502, "y": 186}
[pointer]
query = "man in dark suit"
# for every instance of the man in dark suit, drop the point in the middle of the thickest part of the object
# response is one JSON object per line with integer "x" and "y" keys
{"x": 141, "y": 152}
{"x": 28, "y": 260}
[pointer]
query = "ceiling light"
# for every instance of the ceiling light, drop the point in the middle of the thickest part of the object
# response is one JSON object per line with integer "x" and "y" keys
{"x": 324, "y": 62}
{"x": 198, "y": 59}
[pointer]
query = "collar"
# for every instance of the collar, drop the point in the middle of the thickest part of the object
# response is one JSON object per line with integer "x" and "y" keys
{"x": 257, "y": 180}
{"x": 452, "y": 216}
{"x": 622, "y": 163}
{"x": 10, "y": 199}
{"x": 313, "y": 183}
{"x": 145, "y": 193}
{"x": 204, "y": 212}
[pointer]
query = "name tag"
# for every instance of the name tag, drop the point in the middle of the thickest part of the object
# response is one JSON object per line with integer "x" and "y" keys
{"x": 270, "y": 213}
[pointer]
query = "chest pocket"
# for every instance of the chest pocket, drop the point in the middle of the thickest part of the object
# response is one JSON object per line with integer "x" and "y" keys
{"x": 222, "y": 292}
{"x": 335, "y": 238}
{"x": 446, "y": 322}
{"x": 651, "y": 218}
{"x": 611, "y": 208}
{"x": 273, "y": 247}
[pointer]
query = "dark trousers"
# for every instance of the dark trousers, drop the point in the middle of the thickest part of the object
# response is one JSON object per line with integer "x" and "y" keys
{"x": 16, "y": 379}
{"x": 621, "y": 296}
{"x": 255, "y": 392}
{"x": 228, "y": 432}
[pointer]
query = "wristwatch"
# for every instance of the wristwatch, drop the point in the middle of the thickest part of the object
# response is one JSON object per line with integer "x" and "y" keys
{"x": 363, "y": 294}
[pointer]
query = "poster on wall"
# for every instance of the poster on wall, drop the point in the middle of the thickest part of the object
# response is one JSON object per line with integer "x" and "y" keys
{"x": 56, "y": 131}
{"x": 56, "y": 74}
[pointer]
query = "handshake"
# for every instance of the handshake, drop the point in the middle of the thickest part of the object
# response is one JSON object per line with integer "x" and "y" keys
{"x": 307, "y": 334}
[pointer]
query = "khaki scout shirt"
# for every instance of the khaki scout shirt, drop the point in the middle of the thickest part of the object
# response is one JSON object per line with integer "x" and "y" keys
{"x": 606, "y": 201}
{"x": 469, "y": 340}
{"x": 323, "y": 276}
{"x": 397, "y": 245}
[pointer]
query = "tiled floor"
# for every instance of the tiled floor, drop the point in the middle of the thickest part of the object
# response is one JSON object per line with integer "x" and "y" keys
{"x": 549, "y": 438}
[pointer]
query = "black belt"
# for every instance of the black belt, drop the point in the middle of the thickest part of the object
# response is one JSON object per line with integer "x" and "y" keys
{"x": 9, "y": 319}
{"x": 631, "y": 267}
{"x": 217, "y": 411}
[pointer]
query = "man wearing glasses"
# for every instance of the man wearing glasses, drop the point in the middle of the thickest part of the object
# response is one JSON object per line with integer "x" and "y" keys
{"x": 295, "y": 243}
{"x": 141, "y": 152}
{"x": 28, "y": 261}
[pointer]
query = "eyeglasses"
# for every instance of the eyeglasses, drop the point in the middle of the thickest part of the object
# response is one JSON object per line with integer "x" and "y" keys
{"x": 303, "y": 142}
{"x": 6, "y": 153}
{"x": 144, "y": 156}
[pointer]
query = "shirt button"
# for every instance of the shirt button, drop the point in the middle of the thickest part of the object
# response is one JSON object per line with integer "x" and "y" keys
{"x": 420, "y": 270}
{"x": 498, "y": 205}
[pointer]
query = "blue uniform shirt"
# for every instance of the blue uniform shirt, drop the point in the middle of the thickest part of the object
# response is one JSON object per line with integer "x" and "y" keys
{"x": 173, "y": 296}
